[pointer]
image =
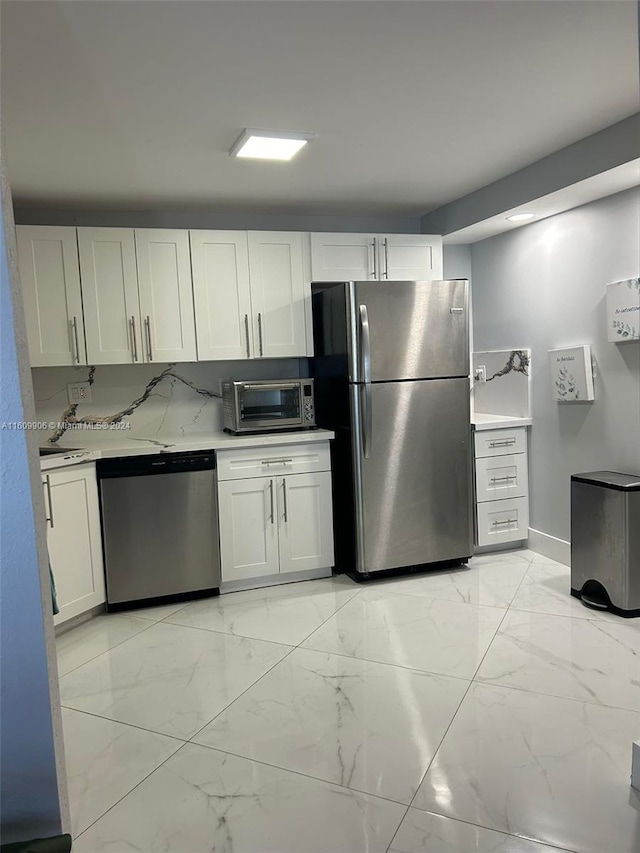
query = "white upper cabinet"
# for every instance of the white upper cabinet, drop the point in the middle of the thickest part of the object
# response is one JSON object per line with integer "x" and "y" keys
{"x": 359, "y": 257}
{"x": 250, "y": 293}
{"x": 412, "y": 257}
{"x": 278, "y": 290}
{"x": 137, "y": 295}
{"x": 166, "y": 296}
{"x": 222, "y": 294}
{"x": 110, "y": 293}
{"x": 343, "y": 257}
{"x": 48, "y": 262}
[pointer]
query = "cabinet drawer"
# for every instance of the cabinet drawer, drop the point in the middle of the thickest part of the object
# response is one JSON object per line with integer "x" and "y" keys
{"x": 503, "y": 521}
{"x": 496, "y": 442}
{"x": 499, "y": 477}
{"x": 268, "y": 461}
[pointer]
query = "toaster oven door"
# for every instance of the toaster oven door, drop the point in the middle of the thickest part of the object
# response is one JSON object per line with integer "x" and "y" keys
{"x": 269, "y": 406}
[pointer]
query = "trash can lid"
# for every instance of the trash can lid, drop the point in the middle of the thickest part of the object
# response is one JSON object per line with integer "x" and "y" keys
{"x": 610, "y": 480}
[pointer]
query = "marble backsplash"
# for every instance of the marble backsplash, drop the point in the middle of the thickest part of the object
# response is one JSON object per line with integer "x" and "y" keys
{"x": 506, "y": 390}
{"x": 144, "y": 401}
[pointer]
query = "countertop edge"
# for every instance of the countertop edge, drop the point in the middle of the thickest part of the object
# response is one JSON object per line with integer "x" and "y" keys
{"x": 482, "y": 421}
{"x": 179, "y": 444}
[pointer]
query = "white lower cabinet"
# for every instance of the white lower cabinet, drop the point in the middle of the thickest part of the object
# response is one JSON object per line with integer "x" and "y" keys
{"x": 248, "y": 530}
{"x": 501, "y": 486}
{"x": 305, "y": 525}
{"x": 74, "y": 539}
{"x": 278, "y": 523}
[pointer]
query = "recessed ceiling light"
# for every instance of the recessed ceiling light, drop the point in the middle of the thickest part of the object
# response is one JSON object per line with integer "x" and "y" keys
{"x": 269, "y": 144}
{"x": 520, "y": 217}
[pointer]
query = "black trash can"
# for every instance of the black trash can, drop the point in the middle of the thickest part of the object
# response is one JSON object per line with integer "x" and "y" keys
{"x": 605, "y": 541}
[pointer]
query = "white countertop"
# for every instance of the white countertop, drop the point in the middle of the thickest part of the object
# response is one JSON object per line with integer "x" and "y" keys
{"x": 107, "y": 444}
{"x": 482, "y": 420}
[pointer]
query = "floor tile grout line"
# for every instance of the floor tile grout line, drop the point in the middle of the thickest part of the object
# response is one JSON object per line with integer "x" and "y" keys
{"x": 299, "y": 773}
{"x": 204, "y": 746}
{"x": 455, "y": 714}
{"x": 137, "y": 785}
{"x": 499, "y": 831}
{"x": 110, "y": 649}
{"x": 122, "y": 723}
{"x": 554, "y": 696}
{"x": 435, "y": 754}
{"x": 292, "y": 649}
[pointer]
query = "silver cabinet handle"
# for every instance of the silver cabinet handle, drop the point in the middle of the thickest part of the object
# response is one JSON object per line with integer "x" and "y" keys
{"x": 246, "y": 332}
{"x": 260, "y": 333}
{"x": 75, "y": 338}
{"x": 505, "y": 521}
{"x": 284, "y": 498}
{"x": 48, "y": 485}
{"x": 272, "y": 516}
{"x": 147, "y": 324}
{"x": 374, "y": 274}
{"x": 502, "y": 479}
{"x": 276, "y": 461}
{"x": 503, "y": 443}
{"x": 134, "y": 342}
{"x": 386, "y": 258}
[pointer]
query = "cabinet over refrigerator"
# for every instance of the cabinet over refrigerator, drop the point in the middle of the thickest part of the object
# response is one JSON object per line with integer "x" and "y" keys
{"x": 392, "y": 380}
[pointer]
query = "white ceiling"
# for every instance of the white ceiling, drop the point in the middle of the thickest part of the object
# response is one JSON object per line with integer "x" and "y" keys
{"x": 135, "y": 104}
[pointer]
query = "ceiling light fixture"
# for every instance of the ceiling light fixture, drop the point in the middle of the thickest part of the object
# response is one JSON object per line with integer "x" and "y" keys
{"x": 520, "y": 217}
{"x": 269, "y": 144}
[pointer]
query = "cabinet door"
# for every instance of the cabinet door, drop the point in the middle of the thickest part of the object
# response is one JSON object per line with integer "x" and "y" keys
{"x": 110, "y": 295}
{"x": 220, "y": 264}
{"x": 50, "y": 276}
{"x": 344, "y": 257}
{"x": 74, "y": 539}
{"x": 414, "y": 257}
{"x": 278, "y": 292}
{"x": 166, "y": 296}
{"x": 248, "y": 528}
{"x": 305, "y": 522}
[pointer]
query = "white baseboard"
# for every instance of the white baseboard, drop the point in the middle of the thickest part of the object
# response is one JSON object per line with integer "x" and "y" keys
{"x": 549, "y": 546}
{"x": 635, "y": 765}
{"x": 274, "y": 580}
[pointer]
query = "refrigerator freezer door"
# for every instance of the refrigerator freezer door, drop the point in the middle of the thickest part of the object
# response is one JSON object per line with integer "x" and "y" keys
{"x": 417, "y": 329}
{"x": 413, "y": 490}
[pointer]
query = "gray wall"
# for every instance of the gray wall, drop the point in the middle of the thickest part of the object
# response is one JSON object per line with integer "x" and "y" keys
{"x": 216, "y": 218}
{"x": 543, "y": 286}
{"x": 32, "y": 766}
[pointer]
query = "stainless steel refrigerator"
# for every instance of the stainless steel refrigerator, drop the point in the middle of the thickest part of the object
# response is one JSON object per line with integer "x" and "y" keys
{"x": 391, "y": 371}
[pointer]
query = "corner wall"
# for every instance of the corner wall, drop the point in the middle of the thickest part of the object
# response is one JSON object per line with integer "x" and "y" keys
{"x": 543, "y": 286}
{"x": 32, "y": 775}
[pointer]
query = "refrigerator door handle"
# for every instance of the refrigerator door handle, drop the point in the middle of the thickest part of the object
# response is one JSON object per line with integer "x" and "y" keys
{"x": 365, "y": 345}
{"x": 367, "y": 419}
{"x": 365, "y": 367}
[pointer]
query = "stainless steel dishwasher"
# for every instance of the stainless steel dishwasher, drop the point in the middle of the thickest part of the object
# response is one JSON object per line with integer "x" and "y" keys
{"x": 160, "y": 527}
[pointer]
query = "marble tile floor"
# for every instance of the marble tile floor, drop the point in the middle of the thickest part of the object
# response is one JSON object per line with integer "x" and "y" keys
{"x": 479, "y": 710}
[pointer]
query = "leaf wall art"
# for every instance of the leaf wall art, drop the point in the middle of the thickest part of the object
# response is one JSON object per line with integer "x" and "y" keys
{"x": 571, "y": 374}
{"x": 623, "y": 311}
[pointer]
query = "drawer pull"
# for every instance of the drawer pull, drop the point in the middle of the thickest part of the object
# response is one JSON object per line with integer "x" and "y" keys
{"x": 505, "y": 521}
{"x": 502, "y": 443}
{"x": 503, "y": 479}
{"x": 276, "y": 461}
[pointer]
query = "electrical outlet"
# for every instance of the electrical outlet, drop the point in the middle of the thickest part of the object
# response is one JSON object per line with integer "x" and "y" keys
{"x": 79, "y": 392}
{"x": 480, "y": 374}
